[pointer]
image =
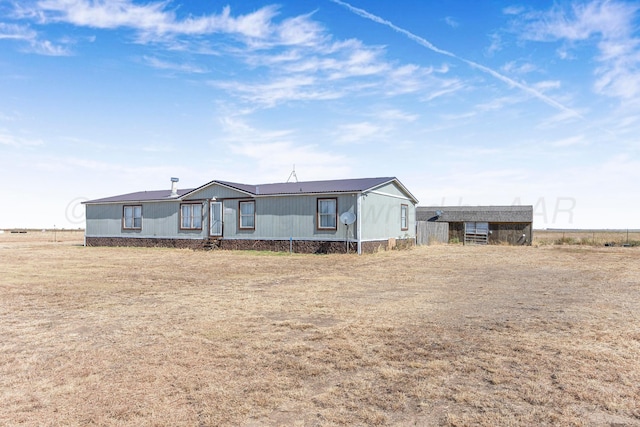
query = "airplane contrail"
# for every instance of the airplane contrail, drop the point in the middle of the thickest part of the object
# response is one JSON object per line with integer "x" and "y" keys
{"x": 423, "y": 42}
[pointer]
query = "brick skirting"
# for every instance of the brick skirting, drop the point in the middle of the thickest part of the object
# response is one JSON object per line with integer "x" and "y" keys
{"x": 145, "y": 242}
{"x": 298, "y": 246}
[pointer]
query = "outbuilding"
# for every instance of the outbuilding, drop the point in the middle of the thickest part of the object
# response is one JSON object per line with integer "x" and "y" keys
{"x": 475, "y": 224}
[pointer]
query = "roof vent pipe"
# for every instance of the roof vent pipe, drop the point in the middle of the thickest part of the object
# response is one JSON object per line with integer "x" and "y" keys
{"x": 174, "y": 187}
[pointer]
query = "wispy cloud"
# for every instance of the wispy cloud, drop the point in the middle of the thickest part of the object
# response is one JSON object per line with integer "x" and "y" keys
{"x": 154, "y": 20}
{"x": 359, "y": 132}
{"x": 378, "y": 126}
{"x": 580, "y": 21}
{"x": 333, "y": 71}
{"x": 458, "y": 116}
{"x": 136, "y": 171}
{"x": 274, "y": 157}
{"x": 513, "y": 10}
{"x": 300, "y": 31}
{"x": 172, "y": 66}
{"x": 18, "y": 142}
{"x": 570, "y": 141}
{"x": 429, "y": 83}
{"x": 299, "y": 58}
{"x": 560, "y": 117}
{"x": 274, "y": 152}
{"x": 396, "y": 115}
{"x": 277, "y": 91}
{"x": 519, "y": 67}
{"x": 423, "y": 42}
{"x": 45, "y": 47}
{"x": 611, "y": 22}
{"x": 496, "y": 44}
{"x": 499, "y": 103}
{"x": 451, "y": 22}
{"x": 16, "y": 32}
{"x": 446, "y": 88}
{"x": 7, "y": 117}
{"x": 548, "y": 84}
{"x": 33, "y": 43}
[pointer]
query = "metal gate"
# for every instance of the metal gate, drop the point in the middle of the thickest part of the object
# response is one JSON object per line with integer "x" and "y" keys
{"x": 476, "y": 233}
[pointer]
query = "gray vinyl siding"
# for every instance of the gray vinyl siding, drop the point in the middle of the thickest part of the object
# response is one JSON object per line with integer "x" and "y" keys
{"x": 216, "y": 191}
{"x": 276, "y": 218}
{"x": 391, "y": 189}
{"x": 283, "y": 217}
{"x": 159, "y": 220}
{"x": 381, "y": 215}
{"x": 104, "y": 220}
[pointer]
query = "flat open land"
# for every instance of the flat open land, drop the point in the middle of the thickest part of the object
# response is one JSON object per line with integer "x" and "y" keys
{"x": 437, "y": 335}
{"x": 587, "y": 237}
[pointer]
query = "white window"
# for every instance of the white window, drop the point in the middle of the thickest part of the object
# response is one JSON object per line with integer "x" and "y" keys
{"x": 327, "y": 214}
{"x": 404, "y": 222}
{"x": 132, "y": 217}
{"x": 248, "y": 215}
{"x": 191, "y": 216}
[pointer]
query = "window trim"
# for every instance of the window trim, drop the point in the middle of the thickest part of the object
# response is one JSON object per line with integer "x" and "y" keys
{"x": 191, "y": 216}
{"x": 133, "y": 217}
{"x": 240, "y": 215}
{"x": 404, "y": 208}
{"x": 335, "y": 214}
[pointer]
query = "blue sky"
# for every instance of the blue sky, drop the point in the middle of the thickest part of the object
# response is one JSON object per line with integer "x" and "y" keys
{"x": 466, "y": 102}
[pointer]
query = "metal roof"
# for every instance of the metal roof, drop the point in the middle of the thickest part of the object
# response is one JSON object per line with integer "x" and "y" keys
{"x": 329, "y": 186}
{"x": 142, "y": 196}
{"x": 284, "y": 188}
{"x": 475, "y": 213}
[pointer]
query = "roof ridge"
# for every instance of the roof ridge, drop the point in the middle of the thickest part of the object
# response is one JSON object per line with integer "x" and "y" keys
{"x": 325, "y": 186}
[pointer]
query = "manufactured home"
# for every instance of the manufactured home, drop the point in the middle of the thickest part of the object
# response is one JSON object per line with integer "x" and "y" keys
{"x": 360, "y": 215}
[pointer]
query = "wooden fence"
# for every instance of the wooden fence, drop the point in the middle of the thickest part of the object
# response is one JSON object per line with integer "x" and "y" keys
{"x": 432, "y": 232}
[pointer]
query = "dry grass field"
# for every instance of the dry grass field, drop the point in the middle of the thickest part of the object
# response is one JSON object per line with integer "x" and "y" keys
{"x": 586, "y": 237}
{"x": 438, "y": 335}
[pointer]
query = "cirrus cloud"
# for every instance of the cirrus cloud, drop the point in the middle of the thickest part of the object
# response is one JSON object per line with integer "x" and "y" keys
{"x": 611, "y": 23}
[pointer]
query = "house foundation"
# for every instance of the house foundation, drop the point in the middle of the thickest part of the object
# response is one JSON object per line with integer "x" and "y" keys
{"x": 295, "y": 246}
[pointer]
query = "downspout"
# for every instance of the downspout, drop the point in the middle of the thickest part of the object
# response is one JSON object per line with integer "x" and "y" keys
{"x": 359, "y": 222}
{"x": 84, "y": 239}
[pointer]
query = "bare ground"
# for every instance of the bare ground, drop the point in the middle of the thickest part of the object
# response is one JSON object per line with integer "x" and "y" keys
{"x": 438, "y": 335}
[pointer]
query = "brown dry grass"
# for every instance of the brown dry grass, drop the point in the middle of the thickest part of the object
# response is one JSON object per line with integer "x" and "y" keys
{"x": 27, "y": 237}
{"x": 437, "y": 335}
{"x": 586, "y": 237}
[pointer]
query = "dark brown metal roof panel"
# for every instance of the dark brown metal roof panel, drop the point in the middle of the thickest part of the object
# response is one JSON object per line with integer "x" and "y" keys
{"x": 141, "y": 196}
{"x": 247, "y": 188}
{"x": 306, "y": 187}
{"x": 329, "y": 186}
{"x": 286, "y": 188}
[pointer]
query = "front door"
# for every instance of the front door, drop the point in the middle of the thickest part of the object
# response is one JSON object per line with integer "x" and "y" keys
{"x": 215, "y": 219}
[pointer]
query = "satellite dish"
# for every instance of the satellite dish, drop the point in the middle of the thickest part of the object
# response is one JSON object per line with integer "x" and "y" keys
{"x": 348, "y": 218}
